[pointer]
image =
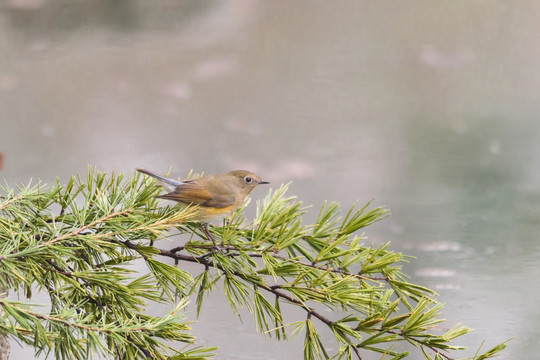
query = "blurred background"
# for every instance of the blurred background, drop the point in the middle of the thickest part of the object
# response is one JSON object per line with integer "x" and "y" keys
{"x": 431, "y": 108}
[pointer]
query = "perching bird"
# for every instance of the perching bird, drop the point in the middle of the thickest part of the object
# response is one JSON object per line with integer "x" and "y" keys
{"x": 217, "y": 196}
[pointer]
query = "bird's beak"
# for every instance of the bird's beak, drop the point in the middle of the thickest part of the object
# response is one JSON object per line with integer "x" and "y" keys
{"x": 264, "y": 182}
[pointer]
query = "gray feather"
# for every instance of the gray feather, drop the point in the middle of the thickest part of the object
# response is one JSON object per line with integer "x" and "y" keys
{"x": 167, "y": 183}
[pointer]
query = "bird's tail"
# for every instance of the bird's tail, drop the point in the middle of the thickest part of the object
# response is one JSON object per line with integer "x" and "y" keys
{"x": 167, "y": 183}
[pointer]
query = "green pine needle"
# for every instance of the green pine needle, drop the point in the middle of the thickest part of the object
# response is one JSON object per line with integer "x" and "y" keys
{"x": 78, "y": 243}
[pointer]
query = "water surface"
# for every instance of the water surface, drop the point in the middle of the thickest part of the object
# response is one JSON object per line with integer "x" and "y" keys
{"x": 430, "y": 108}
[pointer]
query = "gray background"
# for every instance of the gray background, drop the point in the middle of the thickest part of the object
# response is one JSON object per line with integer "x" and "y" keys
{"x": 431, "y": 108}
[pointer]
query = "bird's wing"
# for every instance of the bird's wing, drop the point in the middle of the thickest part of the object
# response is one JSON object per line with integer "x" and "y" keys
{"x": 193, "y": 193}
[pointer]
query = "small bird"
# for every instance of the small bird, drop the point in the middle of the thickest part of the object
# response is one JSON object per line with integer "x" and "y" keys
{"x": 217, "y": 196}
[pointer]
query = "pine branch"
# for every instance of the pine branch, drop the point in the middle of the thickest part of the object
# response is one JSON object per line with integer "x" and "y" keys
{"x": 73, "y": 242}
{"x": 275, "y": 289}
{"x": 85, "y": 227}
{"x": 10, "y": 201}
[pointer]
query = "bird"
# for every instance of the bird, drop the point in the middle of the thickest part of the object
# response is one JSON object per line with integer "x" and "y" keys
{"x": 217, "y": 196}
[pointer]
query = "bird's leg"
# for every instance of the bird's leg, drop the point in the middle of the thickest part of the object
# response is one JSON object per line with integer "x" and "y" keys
{"x": 204, "y": 227}
{"x": 206, "y": 231}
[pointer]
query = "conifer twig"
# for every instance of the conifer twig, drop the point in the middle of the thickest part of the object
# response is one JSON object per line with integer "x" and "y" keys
{"x": 85, "y": 227}
{"x": 77, "y": 242}
{"x": 272, "y": 289}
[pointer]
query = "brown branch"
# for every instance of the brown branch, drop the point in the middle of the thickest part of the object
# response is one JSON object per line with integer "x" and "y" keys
{"x": 275, "y": 289}
{"x": 142, "y": 349}
{"x": 83, "y": 228}
{"x": 258, "y": 255}
{"x": 58, "y": 319}
{"x": 15, "y": 198}
{"x": 413, "y": 339}
{"x": 95, "y": 329}
{"x": 311, "y": 312}
{"x": 59, "y": 269}
{"x": 338, "y": 271}
{"x": 70, "y": 275}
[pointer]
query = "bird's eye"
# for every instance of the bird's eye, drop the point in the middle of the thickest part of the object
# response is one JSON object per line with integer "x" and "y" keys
{"x": 248, "y": 179}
